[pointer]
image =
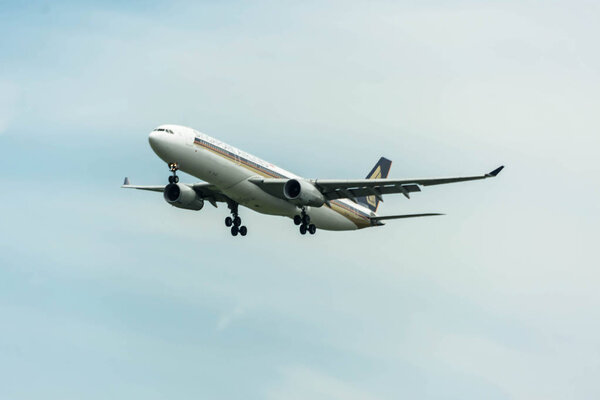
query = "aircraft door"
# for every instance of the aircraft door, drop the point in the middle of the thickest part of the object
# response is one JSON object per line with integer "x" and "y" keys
{"x": 188, "y": 137}
{"x": 236, "y": 153}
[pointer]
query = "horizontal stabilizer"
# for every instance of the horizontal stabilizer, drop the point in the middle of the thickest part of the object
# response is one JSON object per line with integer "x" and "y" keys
{"x": 385, "y": 217}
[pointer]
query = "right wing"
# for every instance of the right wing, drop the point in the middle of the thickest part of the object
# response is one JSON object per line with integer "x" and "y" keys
{"x": 127, "y": 185}
{"x": 205, "y": 190}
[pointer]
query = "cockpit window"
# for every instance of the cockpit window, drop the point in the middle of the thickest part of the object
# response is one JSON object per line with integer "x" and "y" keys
{"x": 163, "y": 130}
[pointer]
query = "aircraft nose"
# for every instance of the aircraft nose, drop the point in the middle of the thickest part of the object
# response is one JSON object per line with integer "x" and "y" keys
{"x": 155, "y": 138}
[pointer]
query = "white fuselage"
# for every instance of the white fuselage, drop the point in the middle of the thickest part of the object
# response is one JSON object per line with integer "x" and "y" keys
{"x": 230, "y": 169}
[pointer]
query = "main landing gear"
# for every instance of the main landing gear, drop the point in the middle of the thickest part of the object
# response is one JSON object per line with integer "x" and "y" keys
{"x": 173, "y": 178}
{"x": 304, "y": 221}
{"x": 236, "y": 222}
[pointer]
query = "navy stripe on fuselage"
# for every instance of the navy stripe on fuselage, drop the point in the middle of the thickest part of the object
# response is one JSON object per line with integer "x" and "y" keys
{"x": 236, "y": 158}
{"x": 269, "y": 172}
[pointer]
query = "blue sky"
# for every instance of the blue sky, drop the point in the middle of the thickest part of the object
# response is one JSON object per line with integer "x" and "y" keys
{"x": 106, "y": 293}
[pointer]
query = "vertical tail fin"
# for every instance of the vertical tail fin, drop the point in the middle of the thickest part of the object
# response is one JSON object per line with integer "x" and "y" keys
{"x": 379, "y": 171}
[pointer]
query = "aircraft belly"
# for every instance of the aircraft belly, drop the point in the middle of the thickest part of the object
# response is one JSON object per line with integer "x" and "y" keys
{"x": 327, "y": 219}
{"x": 249, "y": 195}
{"x": 231, "y": 178}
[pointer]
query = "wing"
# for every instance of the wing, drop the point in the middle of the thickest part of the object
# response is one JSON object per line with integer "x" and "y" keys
{"x": 205, "y": 190}
{"x": 351, "y": 189}
{"x": 127, "y": 185}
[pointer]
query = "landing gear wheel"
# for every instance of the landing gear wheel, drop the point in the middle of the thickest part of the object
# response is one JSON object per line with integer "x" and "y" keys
{"x": 235, "y": 222}
{"x": 173, "y": 167}
{"x": 306, "y": 219}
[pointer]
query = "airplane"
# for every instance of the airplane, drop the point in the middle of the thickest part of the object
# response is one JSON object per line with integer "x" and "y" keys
{"x": 234, "y": 177}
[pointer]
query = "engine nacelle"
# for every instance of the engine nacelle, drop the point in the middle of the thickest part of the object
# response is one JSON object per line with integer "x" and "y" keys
{"x": 182, "y": 196}
{"x": 303, "y": 193}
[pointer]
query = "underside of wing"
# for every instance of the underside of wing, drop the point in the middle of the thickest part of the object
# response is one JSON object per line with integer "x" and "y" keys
{"x": 273, "y": 186}
{"x": 205, "y": 191}
{"x": 332, "y": 189}
{"x": 209, "y": 192}
{"x": 338, "y": 189}
{"x": 154, "y": 188}
{"x": 353, "y": 191}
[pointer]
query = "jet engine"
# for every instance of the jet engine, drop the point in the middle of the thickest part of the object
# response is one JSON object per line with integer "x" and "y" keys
{"x": 182, "y": 196}
{"x": 303, "y": 193}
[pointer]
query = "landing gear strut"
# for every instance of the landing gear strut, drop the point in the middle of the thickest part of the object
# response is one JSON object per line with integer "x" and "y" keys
{"x": 304, "y": 221}
{"x": 173, "y": 167}
{"x": 236, "y": 222}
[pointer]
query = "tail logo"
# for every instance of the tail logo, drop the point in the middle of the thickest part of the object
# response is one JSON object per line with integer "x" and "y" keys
{"x": 375, "y": 175}
{"x": 379, "y": 171}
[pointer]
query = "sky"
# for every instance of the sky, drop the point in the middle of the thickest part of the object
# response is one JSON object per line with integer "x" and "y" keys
{"x": 108, "y": 293}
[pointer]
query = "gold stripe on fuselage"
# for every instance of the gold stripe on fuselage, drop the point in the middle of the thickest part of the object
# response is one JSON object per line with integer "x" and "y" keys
{"x": 216, "y": 150}
{"x": 348, "y": 212}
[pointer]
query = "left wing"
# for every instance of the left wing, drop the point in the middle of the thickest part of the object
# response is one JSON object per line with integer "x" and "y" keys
{"x": 351, "y": 189}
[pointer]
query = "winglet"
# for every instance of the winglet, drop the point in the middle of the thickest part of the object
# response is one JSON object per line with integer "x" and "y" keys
{"x": 495, "y": 172}
{"x": 126, "y": 182}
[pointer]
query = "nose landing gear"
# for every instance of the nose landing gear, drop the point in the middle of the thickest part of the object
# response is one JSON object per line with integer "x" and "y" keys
{"x": 173, "y": 167}
{"x": 304, "y": 221}
{"x": 236, "y": 222}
